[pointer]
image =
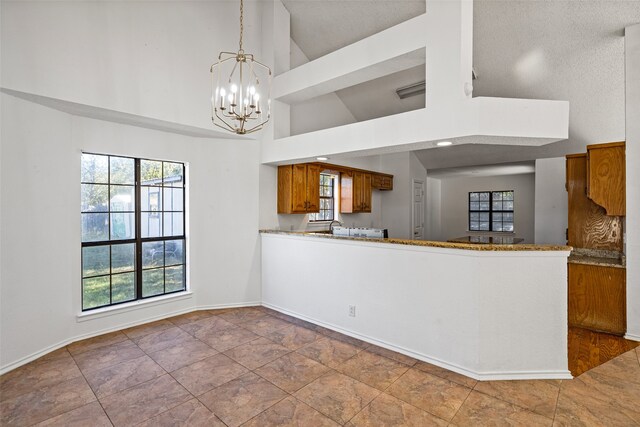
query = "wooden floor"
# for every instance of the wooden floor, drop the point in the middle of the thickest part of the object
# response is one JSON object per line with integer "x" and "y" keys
{"x": 588, "y": 349}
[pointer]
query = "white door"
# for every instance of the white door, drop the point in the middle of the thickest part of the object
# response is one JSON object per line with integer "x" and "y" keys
{"x": 418, "y": 210}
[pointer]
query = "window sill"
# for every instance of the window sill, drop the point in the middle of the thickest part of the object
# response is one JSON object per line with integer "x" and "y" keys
{"x": 131, "y": 306}
{"x": 501, "y": 233}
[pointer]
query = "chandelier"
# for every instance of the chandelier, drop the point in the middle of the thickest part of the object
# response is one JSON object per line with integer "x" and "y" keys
{"x": 237, "y": 102}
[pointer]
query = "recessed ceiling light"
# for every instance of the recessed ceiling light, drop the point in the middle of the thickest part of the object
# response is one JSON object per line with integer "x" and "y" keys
{"x": 322, "y": 159}
{"x": 444, "y": 143}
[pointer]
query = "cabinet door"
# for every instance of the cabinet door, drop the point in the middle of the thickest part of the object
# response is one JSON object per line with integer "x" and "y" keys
{"x": 366, "y": 192}
{"x": 606, "y": 177}
{"x": 597, "y": 298}
{"x": 313, "y": 188}
{"x": 589, "y": 226}
{"x": 299, "y": 189}
{"x": 358, "y": 197}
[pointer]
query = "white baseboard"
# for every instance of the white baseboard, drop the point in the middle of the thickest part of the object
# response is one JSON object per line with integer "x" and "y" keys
{"x": 480, "y": 376}
{"x": 33, "y": 356}
{"x": 632, "y": 337}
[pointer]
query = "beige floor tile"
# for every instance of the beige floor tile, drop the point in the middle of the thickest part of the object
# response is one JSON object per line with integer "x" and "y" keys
{"x": 182, "y": 354}
{"x": 337, "y": 396}
{"x": 482, "y": 410}
{"x": 137, "y": 332}
{"x": 579, "y": 405}
{"x": 291, "y": 412}
{"x": 292, "y": 371}
{"x": 208, "y": 374}
{"x": 264, "y": 325}
{"x": 225, "y": 339}
{"x": 104, "y": 357}
{"x": 241, "y": 315}
{"x": 242, "y": 399}
{"x": 162, "y": 339}
{"x": 191, "y": 317}
{"x": 372, "y": 369}
{"x": 293, "y": 337}
{"x": 347, "y": 339}
{"x": 328, "y": 351}
{"x": 393, "y": 355}
{"x": 624, "y": 367}
{"x": 96, "y": 342}
{"x": 256, "y": 353}
{"x": 113, "y": 379}
{"x": 191, "y": 414}
{"x": 537, "y": 396}
{"x": 212, "y": 323}
{"x": 386, "y": 410}
{"x": 91, "y": 414}
{"x": 36, "y": 375}
{"x": 622, "y": 396}
{"x": 144, "y": 401}
{"x": 435, "y": 395}
{"x": 445, "y": 373}
{"x": 45, "y": 402}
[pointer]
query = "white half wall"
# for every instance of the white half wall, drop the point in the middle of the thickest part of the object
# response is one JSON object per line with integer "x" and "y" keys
{"x": 40, "y": 221}
{"x": 632, "y": 79}
{"x": 551, "y": 202}
{"x": 455, "y": 198}
{"x": 444, "y": 306}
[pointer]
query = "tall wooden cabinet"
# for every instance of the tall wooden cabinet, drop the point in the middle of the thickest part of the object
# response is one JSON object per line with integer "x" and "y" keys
{"x": 299, "y": 188}
{"x": 355, "y": 192}
{"x": 596, "y": 195}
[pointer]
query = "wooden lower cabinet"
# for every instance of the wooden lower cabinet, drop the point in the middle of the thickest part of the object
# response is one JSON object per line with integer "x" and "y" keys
{"x": 597, "y": 298}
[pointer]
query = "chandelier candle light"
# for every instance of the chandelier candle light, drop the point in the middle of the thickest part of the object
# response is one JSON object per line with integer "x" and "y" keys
{"x": 236, "y": 102}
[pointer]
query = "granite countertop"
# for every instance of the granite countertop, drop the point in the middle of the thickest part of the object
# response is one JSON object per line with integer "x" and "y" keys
{"x": 427, "y": 243}
{"x": 597, "y": 257}
{"x": 488, "y": 240}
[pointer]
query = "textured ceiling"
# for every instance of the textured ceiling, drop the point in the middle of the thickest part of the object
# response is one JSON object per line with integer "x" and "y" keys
{"x": 554, "y": 49}
{"x": 322, "y": 26}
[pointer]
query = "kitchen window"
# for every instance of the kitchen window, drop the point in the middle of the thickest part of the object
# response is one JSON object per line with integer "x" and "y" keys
{"x": 491, "y": 211}
{"x": 327, "y": 199}
{"x": 133, "y": 222}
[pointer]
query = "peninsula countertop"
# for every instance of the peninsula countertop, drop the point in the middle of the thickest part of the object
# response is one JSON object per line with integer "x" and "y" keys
{"x": 429, "y": 243}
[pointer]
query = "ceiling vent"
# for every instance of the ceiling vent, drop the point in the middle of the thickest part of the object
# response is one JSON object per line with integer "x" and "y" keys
{"x": 411, "y": 90}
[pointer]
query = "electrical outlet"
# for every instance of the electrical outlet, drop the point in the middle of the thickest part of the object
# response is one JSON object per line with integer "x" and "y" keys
{"x": 352, "y": 310}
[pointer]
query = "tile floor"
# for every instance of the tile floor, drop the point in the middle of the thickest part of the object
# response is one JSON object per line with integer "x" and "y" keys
{"x": 257, "y": 367}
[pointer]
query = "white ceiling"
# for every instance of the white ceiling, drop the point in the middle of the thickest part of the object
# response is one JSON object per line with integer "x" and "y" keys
{"x": 554, "y": 49}
{"x": 484, "y": 170}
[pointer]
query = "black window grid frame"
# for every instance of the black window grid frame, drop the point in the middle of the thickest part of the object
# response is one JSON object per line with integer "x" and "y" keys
{"x": 491, "y": 211}
{"x": 137, "y": 240}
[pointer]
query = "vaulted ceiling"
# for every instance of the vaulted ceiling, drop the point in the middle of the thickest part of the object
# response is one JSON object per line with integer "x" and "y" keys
{"x": 555, "y": 49}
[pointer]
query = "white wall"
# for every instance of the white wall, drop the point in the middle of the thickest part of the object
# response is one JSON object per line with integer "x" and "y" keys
{"x": 632, "y": 78}
{"x": 508, "y": 326}
{"x": 40, "y": 197}
{"x": 455, "y": 196}
{"x": 551, "y": 201}
{"x": 150, "y": 59}
{"x": 318, "y": 113}
{"x": 127, "y": 57}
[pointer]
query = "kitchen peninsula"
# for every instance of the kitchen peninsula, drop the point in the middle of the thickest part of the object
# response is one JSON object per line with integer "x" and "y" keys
{"x": 486, "y": 311}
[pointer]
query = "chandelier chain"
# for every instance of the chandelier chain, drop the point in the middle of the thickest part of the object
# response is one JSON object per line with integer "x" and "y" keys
{"x": 241, "y": 23}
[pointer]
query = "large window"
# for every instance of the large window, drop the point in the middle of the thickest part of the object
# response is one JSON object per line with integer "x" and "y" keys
{"x": 491, "y": 211}
{"x": 327, "y": 199}
{"x": 133, "y": 242}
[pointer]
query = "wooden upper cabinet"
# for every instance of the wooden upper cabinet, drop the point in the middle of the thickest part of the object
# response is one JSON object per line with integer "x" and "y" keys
{"x": 381, "y": 182}
{"x": 355, "y": 192}
{"x": 589, "y": 226}
{"x": 606, "y": 176}
{"x": 298, "y": 189}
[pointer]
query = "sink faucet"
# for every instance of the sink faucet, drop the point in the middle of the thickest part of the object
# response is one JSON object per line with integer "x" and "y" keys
{"x": 331, "y": 225}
